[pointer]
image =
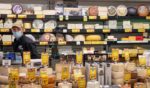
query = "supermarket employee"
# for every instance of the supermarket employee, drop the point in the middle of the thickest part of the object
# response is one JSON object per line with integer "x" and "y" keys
{"x": 22, "y": 42}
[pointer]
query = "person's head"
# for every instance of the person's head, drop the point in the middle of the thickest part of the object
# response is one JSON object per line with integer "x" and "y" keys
{"x": 17, "y": 30}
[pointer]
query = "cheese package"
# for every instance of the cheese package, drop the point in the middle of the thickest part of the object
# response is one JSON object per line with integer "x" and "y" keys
{"x": 117, "y": 75}
{"x": 147, "y": 55}
{"x": 38, "y": 12}
{"x": 132, "y": 38}
{"x": 8, "y": 23}
{"x": 130, "y": 66}
{"x": 141, "y": 72}
{"x": 49, "y": 12}
{"x": 93, "y": 38}
{"x": 72, "y": 11}
{"x": 138, "y": 25}
{"x": 127, "y": 25}
{"x": 5, "y": 11}
{"x": 122, "y": 10}
{"x": 119, "y": 67}
{"x": 37, "y": 8}
{"x": 111, "y": 10}
{"x": 50, "y": 24}
{"x": 112, "y": 24}
{"x": 69, "y": 38}
{"x": 93, "y": 84}
{"x": 146, "y": 26}
{"x": 103, "y": 11}
{"x": 118, "y": 81}
{"x": 79, "y": 38}
{"x": 65, "y": 85}
{"x": 93, "y": 11}
{"x": 5, "y": 6}
{"x": 89, "y": 26}
{"x": 7, "y": 38}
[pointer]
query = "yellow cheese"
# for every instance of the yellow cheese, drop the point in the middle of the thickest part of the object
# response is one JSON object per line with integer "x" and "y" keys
{"x": 132, "y": 38}
{"x": 124, "y": 39}
{"x": 93, "y": 38}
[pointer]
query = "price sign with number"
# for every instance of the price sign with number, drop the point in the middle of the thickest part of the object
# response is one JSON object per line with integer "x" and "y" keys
{"x": 75, "y": 30}
{"x": 26, "y": 57}
{"x": 115, "y": 54}
{"x": 22, "y": 16}
{"x": 65, "y": 73}
{"x": 141, "y": 30}
{"x": 103, "y": 17}
{"x": 62, "y": 43}
{"x": 93, "y": 72}
{"x": 106, "y": 30}
{"x": 79, "y": 57}
{"x": 43, "y": 43}
{"x": 90, "y": 30}
{"x": 35, "y": 30}
{"x": 45, "y": 59}
{"x": 31, "y": 74}
{"x": 48, "y": 30}
{"x": 14, "y": 75}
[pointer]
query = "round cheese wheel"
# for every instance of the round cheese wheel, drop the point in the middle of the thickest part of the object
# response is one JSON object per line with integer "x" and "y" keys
{"x": 17, "y": 9}
{"x": 79, "y": 38}
{"x": 38, "y": 24}
{"x": 50, "y": 24}
{"x": 112, "y": 11}
{"x": 45, "y": 37}
{"x": 143, "y": 10}
{"x": 122, "y": 10}
{"x": 117, "y": 75}
{"x": 93, "y": 11}
{"x": 69, "y": 38}
{"x": 132, "y": 11}
{"x": 93, "y": 38}
{"x": 119, "y": 67}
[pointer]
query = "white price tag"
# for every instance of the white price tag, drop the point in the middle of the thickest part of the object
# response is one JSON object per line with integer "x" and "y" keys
{"x": 64, "y": 30}
{"x": 78, "y": 43}
{"x": 6, "y": 62}
{"x": 67, "y": 17}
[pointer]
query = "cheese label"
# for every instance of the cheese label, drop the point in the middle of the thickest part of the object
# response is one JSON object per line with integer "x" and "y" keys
{"x": 40, "y": 16}
{"x": 26, "y": 57}
{"x": 92, "y": 17}
{"x": 45, "y": 59}
{"x": 148, "y": 71}
{"x": 48, "y": 30}
{"x": 75, "y": 30}
{"x": 22, "y": 16}
{"x": 31, "y": 72}
{"x": 148, "y": 17}
{"x": 87, "y": 42}
{"x": 141, "y": 30}
{"x": 104, "y": 17}
{"x": 35, "y": 30}
{"x": 7, "y": 43}
{"x": 90, "y": 30}
{"x": 92, "y": 74}
{"x": 142, "y": 60}
{"x": 126, "y": 55}
{"x": 127, "y": 76}
{"x": 65, "y": 73}
{"x": 128, "y": 30}
{"x": 115, "y": 55}
{"x": 106, "y": 30}
{"x": 11, "y": 16}
{"x": 85, "y": 18}
{"x": 79, "y": 57}
{"x": 61, "y": 17}
{"x": 62, "y": 43}
{"x": 14, "y": 75}
{"x": 4, "y": 30}
{"x": 77, "y": 74}
{"x": 44, "y": 80}
{"x": 43, "y": 43}
{"x": 81, "y": 82}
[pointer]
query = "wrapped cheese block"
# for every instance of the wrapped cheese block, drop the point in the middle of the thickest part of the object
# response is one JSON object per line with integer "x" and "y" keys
{"x": 65, "y": 85}
{"x": 119, "y": 67}
{"x": 27, "y": 25}
{"x": 69, "y": 38}
{"x": 143, "y": 10}
{"x": 93, "y": 84}
{"x": 93, "y": 11}
{"x": 130, "y": 67}
{"x": 117, "y": 75}
{"x": 72, "y": 11}
{"x": 6, "y": 38}
{"x": 118, "y": 81}
{"x": 79, "y": 38}
{"x": 122, "y": 10}
{"x": 103, "y": 11}
{"x": 93, "y": 38}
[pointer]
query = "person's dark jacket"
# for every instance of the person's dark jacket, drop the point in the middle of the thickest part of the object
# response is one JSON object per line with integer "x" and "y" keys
{"x": 25, "y": 44}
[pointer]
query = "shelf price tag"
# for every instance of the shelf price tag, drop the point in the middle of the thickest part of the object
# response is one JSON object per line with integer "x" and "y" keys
{"x": 87, "y": 42}
{"x": 75, "y": 30}
{"x": 31, "y": 72}
{"x": 43, "y": 43}
{"x": 11, "y": 16}
{"x": 141, "y": 30}
{"x": 22, "y": 16}
{"x": 61, "y": 17}
{"x": 45, "y": 59}
{"x": 148, "y": 71}
{"x": 106, "y": 30}
{"x": 7, "y": 43}
{"x": 142, "y": 60}
{"x": 40, "y": 16}
{"x": 90, "y": 30}
{"x": 48, "y": 30}
{"x": 128, "y": 30}
{"x": 148, "y": 17}
{"x": 65, "y": 73}
{"x": 115, "y": 55}
{"x": 85, "y": 18}
{"x": 92, "y": 17}
{"x": 92, "y": 74}
{"x": 4, "y": 30}
{"x": 13, "y": 75}
{"x": 98, "y": 42}
{"x": 127, "y": 76}
{"x": 35, "y": 30}
{"x": 103, "y": 17}
{"x": 79, "y": 57}
{"x": 26, "y": 57}
{"x": 62, "y": 43}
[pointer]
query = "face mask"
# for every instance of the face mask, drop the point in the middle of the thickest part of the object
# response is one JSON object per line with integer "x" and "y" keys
{"x": 17, "y": 34}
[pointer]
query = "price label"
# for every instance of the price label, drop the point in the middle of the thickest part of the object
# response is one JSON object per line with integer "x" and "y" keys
{"x": 141, "y": 30}
{"x": 48, "y": 30}
{"x": 85, "y": 18}
{"x": 40, "y": 16}
{"x": 11, "y": 16}
{"x": 115, "y": 54}
{"x": 75, "y": 30}
{"x": 45, "y": 59}
{"x": 35, "y": 30}
{"x": 148, "y": 71}
{"x": 92, "y": 17}
{"x": 31, "y": 74}
{"x": 4, "y": 30}
{"x": 22, "y": 16}
{"x": 13, "y": 75}
{"x": 127, "y": 76}
{"x": 128, "y": 30}
{"x": 61, "y": 17}
{"x": 106, "y": 30}
{"x": 148, "y": 17}
{"x": 79, "y": 57}
{"x": 78, "y": 43}
{"x": 43, "y": 43}
{"x": 62, "y": 43}
{"x": 142, "y": 60}
{"x": 90, "y": 30}
{"x": 98, "y": 42}
{"x": 7, "y": 43}
{"x": 87, "y": 42}
{"x": 64, "y": 30}
{"x": 44, "y": 80}
{"x": 92, "y": 74}
{"x": 26, "y": 57}
{"x": 104, "y": 17}
{"x": 65, "y": 73}
{"x": 81, "y": 82}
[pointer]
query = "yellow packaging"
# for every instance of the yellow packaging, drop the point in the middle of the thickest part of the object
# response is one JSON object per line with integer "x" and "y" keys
{"x": 45, "y": 59}
{"x": 27, "y": 25}
{"x": 124, "y": 39}
{"x": 142, "y": 60}
{"x": 44, "y": 79}
{"x": 79, "y": 57}
{"x": 13, "y": 75}
{"x": 65, "y": 73}
{"x": 81, "y": 82}
{"x": 26, "y": 57}
{"x": 115, "y": 54}
{"x": 148, "y": 71}
{"x": 127, "y": 76}
{"x": 93, "y": 73}
{"x": 31, "y": 74}
{"x": 132, "y": 38}
{"x": 77, "y": 73}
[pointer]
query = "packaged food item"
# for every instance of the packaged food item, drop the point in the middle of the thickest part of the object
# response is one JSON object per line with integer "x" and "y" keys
{"x": 93, "y": 11}
{"x": 122, "y": 10}
{"x": 17, "y": 9}
{"x": 143, "y": 10}
{"x": 112, "y": 11}
{"x": 37, "y": 24}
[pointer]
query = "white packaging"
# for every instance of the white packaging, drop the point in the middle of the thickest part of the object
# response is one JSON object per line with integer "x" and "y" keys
{"x": 126, "y": 24}
{"x": 49, "y": 12}
{"x": 93, "y": 84}
{"x": 112, "y": 24}
{"x": 108, "y": 77}
{"x": 5, "y": 11}
{"x": 101, "y": 73}
{"x": 8, "y": 23}
{"x": 38, "y": 12}
{"x": 37, "y": 8}
{"x": 79, "y": 26}
{"x": 6, "y": 38}
{"x": 147, "y": 55}
{"x": 5, "y": 6}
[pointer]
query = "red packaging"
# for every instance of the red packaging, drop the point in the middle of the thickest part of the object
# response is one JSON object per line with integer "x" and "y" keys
{"x": 139, "y": 38}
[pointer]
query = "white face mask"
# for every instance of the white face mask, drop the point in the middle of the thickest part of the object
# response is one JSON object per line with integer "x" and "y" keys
{"x": 17, "y": 34}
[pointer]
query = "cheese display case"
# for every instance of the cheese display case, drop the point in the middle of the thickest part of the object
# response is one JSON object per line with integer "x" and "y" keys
{"x": 80, "y": 44}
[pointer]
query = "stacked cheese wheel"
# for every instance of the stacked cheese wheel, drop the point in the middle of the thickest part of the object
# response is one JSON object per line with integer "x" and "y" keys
{"x": 118, "y": 73}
